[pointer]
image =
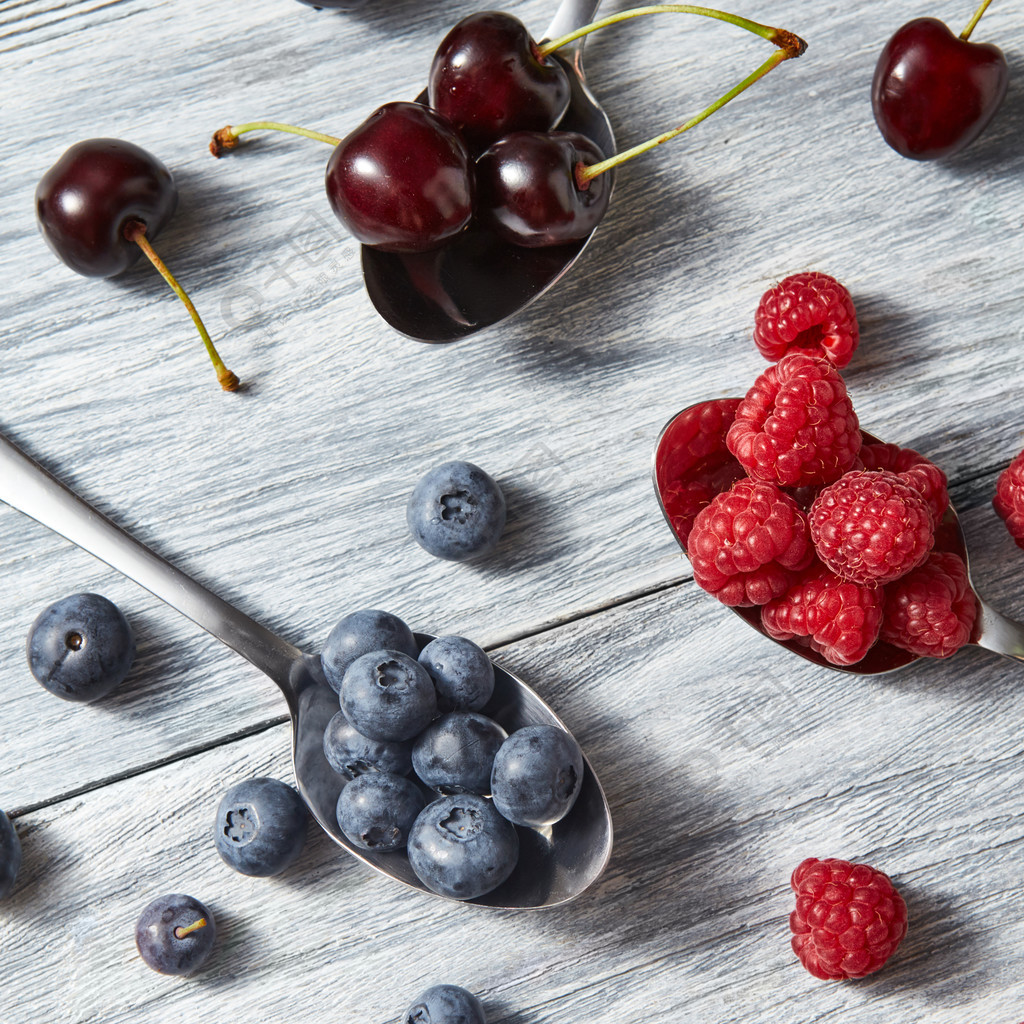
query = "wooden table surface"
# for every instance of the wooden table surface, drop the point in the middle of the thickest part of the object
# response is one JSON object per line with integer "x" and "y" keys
{"x": 725, "y": 759}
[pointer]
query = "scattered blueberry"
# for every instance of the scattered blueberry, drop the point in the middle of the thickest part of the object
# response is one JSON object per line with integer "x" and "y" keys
{"x": 388, "y": 696}
{"x": 461, "y": 847}
{"x": 350, "y": 753}
{"x": 445, "y": 1004}
{"x": 377, "y": 810}
{"x": 81, "y": 647}
{"x": 456, "y": 512}
{"x": 454, "y": 754}
{"x": 10, "y": 855}
{"x": 462, "y": 672}
{"x": 260, "y": 827}
{"x": 361, "y": 633}
{"x": 537, "y": 775}
{"x": 175, "y": 934}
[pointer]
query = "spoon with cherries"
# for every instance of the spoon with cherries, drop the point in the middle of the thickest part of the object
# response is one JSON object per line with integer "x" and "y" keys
{"x": 554, "y": 865}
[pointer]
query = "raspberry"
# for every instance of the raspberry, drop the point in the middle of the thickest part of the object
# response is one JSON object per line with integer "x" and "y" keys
{"x": 871, "y": 527}
{"x": 912, "y": 468}
{"x": 810, "y": 313}
{"x": 746, "y": 544}
{"x": 796, "y": 426}
{"x": 849, "y": 918}
{"x": 931, "y": 611}
{"x": 841, "y": 618}
{"x": 1009, "y": 499}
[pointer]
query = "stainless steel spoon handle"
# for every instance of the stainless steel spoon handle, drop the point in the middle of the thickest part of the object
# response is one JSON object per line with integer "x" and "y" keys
{"x": 571, "y": 15}
{"x": 29, "y": 488}
{"x": 998, "y": 633}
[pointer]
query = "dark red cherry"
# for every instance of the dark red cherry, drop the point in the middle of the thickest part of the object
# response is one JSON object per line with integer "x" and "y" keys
{"x": 489, "y": 80}
{"x": 934, "y": 92}
{"x": 84, "y": 201}
{"x": 401, "y": 181}
{"x": 530, "y": 193}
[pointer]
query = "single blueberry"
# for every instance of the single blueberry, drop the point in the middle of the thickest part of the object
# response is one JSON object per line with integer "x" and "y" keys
{"x": 175, "y": 934}
{"x": 456, "y": 512}
{"x": 386, "y": 695}
{"x": 81, "y": 647}
{"x": 361, "y": 633}
{"x": 377, "y": 810}
{"x": 350, "y": 753}
{"x": 537, "y": 775}
{"x": 260, "y": 827}
{"x": 462, "y": 672}
{"x": 10, "y": 855}
{"x": 446, "y": 1004}
{"x": 461, "y": 847}
{"x": 455, "y": 753}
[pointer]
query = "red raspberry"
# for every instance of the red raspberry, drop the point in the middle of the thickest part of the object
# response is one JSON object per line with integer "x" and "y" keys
{"x": 811, "y": 313}
{"x": 871, "y": 527}
{"x": 1009, "y": 499}
{"x": 746, "y": 544}
{"x": 931, "y": 611}
{"x": 849, "y": 918}
{"x": 796, "y": 426}
{"x": 842, "y": 619}
{"x": 912, "y": 468}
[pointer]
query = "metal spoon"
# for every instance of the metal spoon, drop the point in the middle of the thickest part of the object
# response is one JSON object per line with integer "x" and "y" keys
{"x": 477, "y": 280}
{"x": 992, "y": 630}
{"x": 554, "y": 866}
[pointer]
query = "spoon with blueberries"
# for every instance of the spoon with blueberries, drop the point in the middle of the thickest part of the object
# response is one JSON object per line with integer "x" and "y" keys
{"x": 526, "y": 828}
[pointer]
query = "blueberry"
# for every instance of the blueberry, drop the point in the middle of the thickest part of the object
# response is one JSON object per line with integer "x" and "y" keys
{"x": 461, "y": 847}
{"x": 81, "y": 647}
{"x": 454, "y": 754}
{"x": 445, "y": 1004}
{"x": 361, "y": 633}
{"x": 175, "y": 934}
{"x": 537, "y": 775}
{"x": 386, "y": 695}
{"x": 456, "y": 512}
{"x": 260, "y": 827}
{"x": 462, "y": 672}
{"x": 377, "y": 810}
{"x": 10, "y": 855}
{"x": 350, "y": 753}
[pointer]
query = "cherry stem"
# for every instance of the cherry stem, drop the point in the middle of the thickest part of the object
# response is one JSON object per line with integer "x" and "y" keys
{"x": 783, "y": 39}
{"x": 135, "y": 231}
{"x": 966, "y": 34}
{"x": 180, "y": 933}
{"x": 584, "y": 174}
{"x": 227, "y": 137}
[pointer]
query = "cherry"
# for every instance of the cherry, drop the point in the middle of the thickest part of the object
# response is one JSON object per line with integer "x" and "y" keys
{"x": 933, "y": 93}
{"x": 489, "y": 78}
{"x": 99, "y": 206}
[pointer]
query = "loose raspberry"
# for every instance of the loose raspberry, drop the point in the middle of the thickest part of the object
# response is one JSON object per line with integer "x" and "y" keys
{"x": 1009, "y": 499}
{"x": 841, "y": 618}
{"x": 745, "y": 546}
{"x": 912, "y": 468}
{"x": 849, "y": 918}
{"x": 796, "y": 426}
{"x": 810, "y": 313}
{"x": 871, "y": 527}
{"x": 931, "y": 611}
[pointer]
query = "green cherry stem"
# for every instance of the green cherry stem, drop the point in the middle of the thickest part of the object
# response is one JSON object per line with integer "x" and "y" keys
{"x": 180, "y": 932}
{"x": 135, "y": 231}
{"x": 227, "y": 137}
{"x": 966, "y": 34}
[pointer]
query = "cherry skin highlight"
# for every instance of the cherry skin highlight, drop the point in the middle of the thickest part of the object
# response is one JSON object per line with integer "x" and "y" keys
{"x": 933, "y": 92}
{"x": 488, "y": 79}
{"x": 401, "y": 181}
{"x": 85, "y": 200}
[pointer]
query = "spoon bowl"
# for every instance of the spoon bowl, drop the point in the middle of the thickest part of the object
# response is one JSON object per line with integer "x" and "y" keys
{"x": 555, "y": 864}
{"x": 477, "y": 280}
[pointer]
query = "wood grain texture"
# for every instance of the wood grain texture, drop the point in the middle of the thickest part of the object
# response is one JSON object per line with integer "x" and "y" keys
{"x": 725, "y": 759}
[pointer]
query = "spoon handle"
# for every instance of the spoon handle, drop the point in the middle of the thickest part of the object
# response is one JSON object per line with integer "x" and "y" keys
{"x": 998, "y": 633}
{"x": 571, "y": 15}
{"x": 29, "y": 488}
